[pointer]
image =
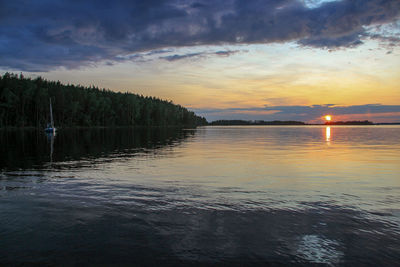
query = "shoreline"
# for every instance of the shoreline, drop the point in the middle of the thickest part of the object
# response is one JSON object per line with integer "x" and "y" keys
{"x": 13, "y": 128}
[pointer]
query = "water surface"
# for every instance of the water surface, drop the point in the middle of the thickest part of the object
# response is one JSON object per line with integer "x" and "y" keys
{"x": 215, "y": 195}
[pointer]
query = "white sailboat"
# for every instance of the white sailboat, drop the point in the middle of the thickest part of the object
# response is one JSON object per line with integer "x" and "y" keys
{"x": 50, "y": 126}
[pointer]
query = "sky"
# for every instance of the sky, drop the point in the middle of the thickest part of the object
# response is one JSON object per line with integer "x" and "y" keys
{"x": 223, "y": 59}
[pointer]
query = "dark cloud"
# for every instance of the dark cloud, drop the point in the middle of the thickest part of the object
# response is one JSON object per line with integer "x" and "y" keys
{"x": 301, "y": 113}
{"x": 179, "y": 57}
{"x": 198, "y": 5}
{"x": 199, "y": 54}
{"x": 44, "y": 34}
{"x": 226, "y": 53}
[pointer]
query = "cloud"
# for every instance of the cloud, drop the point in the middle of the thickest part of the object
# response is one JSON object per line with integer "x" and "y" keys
{"x": 306, "y": 113}
{"x": 179, "y": 57}
{"x": 45, "y": 34}
{"x": 316, "y": 3}
{"x": 176, "y": 57}
{"x": 226, "y": 53}
{"x": 161, "y": 51}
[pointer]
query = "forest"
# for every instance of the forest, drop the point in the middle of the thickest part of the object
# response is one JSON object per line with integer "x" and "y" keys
{"x": 24, "y": 102}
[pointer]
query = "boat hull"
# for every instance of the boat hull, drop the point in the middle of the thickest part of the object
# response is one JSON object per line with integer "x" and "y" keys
{"x": 50, "y": 130}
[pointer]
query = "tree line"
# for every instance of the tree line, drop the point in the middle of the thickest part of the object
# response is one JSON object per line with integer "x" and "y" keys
{"x": 366, "y": 122}
{"x": 257, "y": 122}
{"x": 24, "y": 102}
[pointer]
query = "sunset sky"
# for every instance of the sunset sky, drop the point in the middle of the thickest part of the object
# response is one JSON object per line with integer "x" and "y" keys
{"x": 224, "y": 59}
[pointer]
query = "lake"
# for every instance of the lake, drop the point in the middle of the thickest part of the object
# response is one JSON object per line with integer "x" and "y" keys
{"x": 246, "y": 195}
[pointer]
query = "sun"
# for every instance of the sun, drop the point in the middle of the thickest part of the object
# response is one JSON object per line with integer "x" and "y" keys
{"x": 328, "y": 117}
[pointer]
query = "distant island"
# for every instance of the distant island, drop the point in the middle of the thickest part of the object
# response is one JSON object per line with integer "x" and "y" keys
{"x": 276, "y": 122}
{"x": 24, "y": 102}
{"x": 349, "y": 123}
{"x": 257, "y": 122}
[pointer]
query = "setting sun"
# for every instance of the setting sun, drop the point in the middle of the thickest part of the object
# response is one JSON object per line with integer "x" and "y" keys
{"x": 328, "y": 117}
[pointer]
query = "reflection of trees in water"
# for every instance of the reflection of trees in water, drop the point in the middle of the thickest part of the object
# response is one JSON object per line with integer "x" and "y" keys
{"x": 23, "y": 149}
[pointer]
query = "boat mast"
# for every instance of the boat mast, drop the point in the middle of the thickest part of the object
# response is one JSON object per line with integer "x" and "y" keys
{"x": 51, "y": 116}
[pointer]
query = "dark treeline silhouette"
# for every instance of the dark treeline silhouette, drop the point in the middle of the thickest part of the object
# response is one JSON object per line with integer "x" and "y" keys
{"x": 261, "y": 122}
{"x": 25, "y": 102}
{"x": 258, "y": 122}
{"x": 349, "y": 123}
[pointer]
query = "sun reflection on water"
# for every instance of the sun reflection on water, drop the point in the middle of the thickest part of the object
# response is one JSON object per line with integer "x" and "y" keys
{"x": 328, "y": 134}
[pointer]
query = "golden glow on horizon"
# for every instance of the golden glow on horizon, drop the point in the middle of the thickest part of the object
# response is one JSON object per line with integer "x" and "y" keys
{"x": 328, "y": 117}
{"x": 259, "y": 76}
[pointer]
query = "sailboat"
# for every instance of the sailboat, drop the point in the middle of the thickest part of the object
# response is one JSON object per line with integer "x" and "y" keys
{"x": 50, "y": 126}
